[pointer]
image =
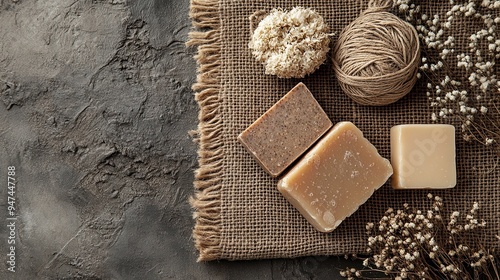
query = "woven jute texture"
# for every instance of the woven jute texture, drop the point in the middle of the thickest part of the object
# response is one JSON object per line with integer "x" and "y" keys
{"x": 239, "y": 212}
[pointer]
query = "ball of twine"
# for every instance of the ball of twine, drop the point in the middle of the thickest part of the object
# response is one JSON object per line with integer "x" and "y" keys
{"x": 376, "y": 57}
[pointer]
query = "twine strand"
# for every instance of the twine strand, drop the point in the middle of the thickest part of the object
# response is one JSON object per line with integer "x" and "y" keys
{"x": 379, "y": 6}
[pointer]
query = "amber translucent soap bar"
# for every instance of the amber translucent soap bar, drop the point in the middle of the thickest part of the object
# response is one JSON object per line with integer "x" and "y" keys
{"x": 423, "y": 156}
{"x": 286, "y": 130}
{"x": 335, "y": 177}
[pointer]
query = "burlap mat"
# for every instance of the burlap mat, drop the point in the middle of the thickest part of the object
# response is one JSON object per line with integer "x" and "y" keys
{"x": 239, "y": 212}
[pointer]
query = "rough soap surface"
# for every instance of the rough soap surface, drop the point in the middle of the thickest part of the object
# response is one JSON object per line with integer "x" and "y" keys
{"x": 335, "y": 177}
{"x": 286, "y": 130}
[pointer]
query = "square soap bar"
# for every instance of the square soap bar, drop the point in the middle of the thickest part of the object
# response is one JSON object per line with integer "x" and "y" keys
{"x": 335, "y": 177}
{"x": 286, "y": 130}
{"x": 423, "y": 156}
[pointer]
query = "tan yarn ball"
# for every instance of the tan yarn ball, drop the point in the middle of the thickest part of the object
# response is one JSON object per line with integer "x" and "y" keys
{"x": 377, "y": 56}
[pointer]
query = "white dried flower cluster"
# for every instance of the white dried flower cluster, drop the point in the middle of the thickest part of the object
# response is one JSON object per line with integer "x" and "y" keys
{"x": 454, "y": 227}
{"x": 456, "y": 94}
{"x": 291, "y": 44}
{"x": 417, "y": 244}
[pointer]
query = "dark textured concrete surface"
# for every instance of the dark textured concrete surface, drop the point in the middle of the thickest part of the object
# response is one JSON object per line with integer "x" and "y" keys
{"x": 95, "y": 109}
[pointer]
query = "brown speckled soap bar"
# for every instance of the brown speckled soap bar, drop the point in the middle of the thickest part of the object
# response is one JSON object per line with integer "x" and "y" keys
{"x": 286, "y": 130}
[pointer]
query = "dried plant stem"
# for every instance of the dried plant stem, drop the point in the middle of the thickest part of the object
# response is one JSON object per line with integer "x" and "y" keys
{"x": 420, "y": 244}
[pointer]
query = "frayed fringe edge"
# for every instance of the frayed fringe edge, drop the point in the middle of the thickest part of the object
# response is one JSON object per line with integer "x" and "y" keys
{"x": 207, "y": 201}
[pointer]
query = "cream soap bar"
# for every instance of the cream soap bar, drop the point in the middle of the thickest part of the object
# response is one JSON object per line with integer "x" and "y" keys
{"x": 423, "y": 156}
{"x": 335, "y": 177}
{"x": 286, "y": 130}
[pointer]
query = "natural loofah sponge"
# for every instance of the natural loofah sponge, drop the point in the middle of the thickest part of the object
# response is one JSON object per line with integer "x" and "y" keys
{"x": 291, "y": 44}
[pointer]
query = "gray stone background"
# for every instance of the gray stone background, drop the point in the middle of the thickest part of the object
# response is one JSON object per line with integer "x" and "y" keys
{"x": 95, "y": 109}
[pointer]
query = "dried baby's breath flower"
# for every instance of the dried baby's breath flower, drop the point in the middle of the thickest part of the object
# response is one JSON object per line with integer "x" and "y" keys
{"x": 291, "y": 44}
{"x": 462, "y": 74}
{"x": 404, "y": 246}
